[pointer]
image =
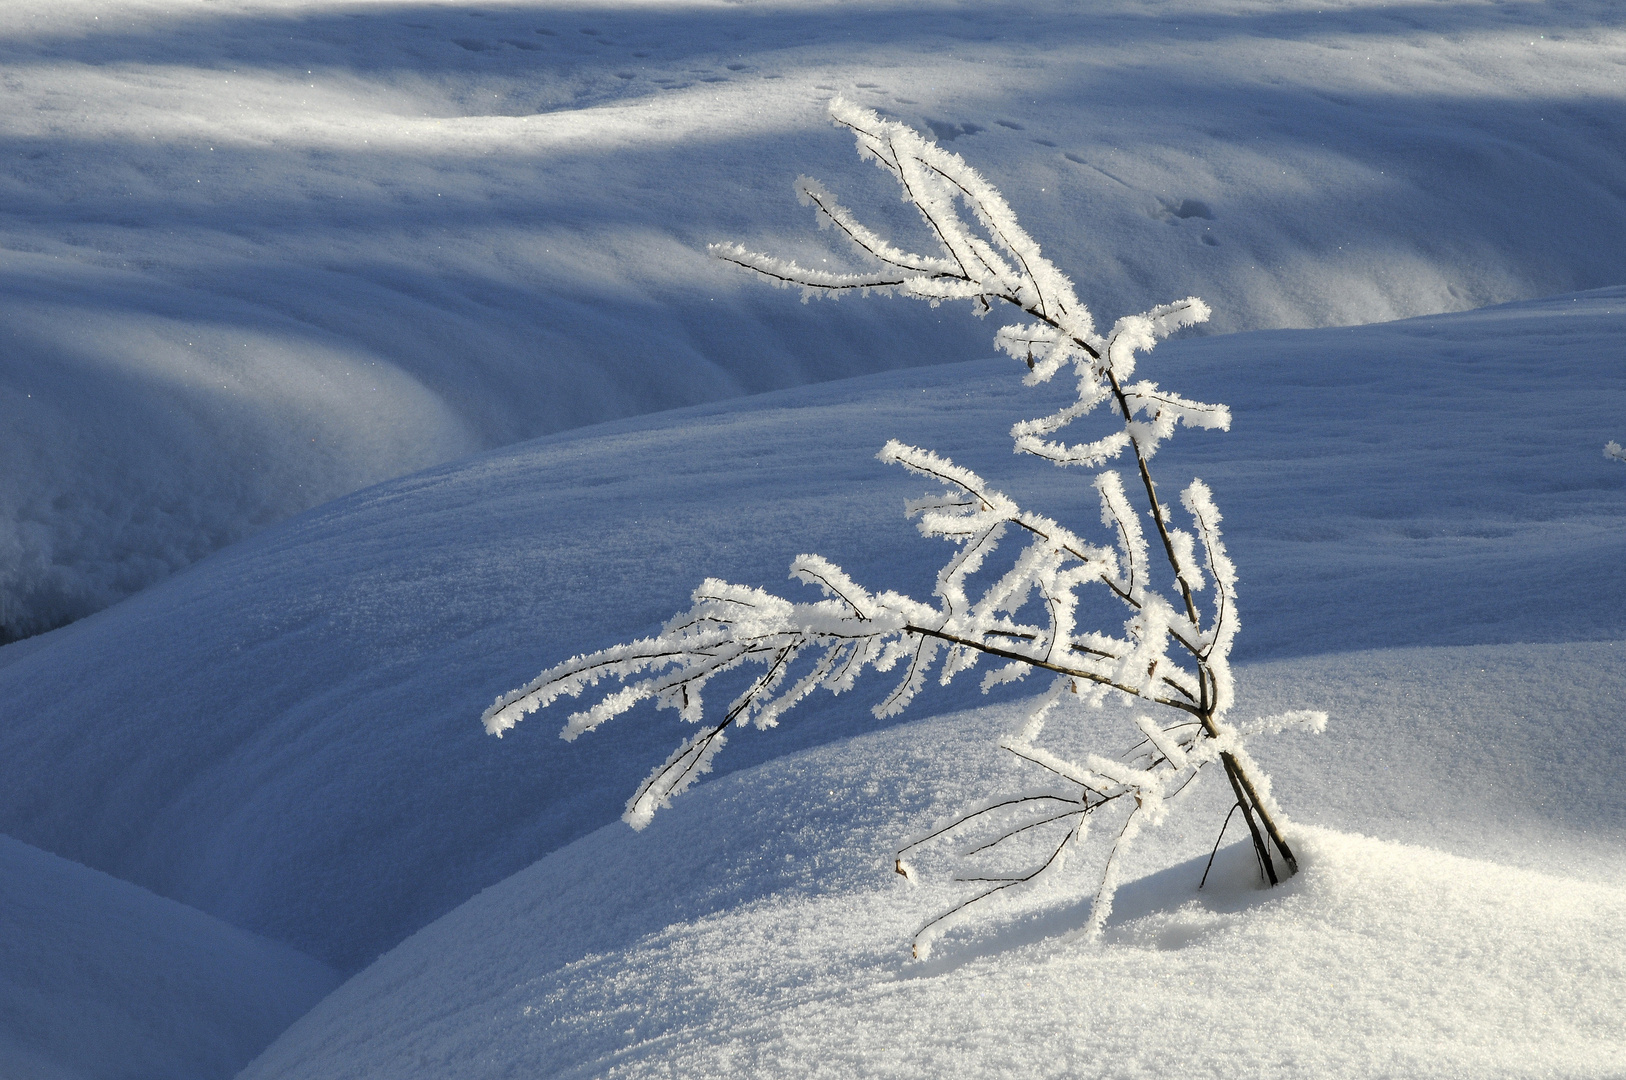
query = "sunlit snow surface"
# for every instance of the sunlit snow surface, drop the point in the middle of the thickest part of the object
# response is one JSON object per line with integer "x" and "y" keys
{"x": 254, "y": 255}
{"x": 287, "y": 735}
{"x": 756, "y": 929}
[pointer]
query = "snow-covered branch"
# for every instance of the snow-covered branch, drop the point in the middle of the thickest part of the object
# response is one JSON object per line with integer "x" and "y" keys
{"x": 1170, "y": 654}
{"x": 852, "y": 629}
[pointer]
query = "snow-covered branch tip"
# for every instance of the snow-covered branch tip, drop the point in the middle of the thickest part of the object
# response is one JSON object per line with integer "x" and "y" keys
{"x": 1613, "y": 449}
{"x": 1014, "y": 610}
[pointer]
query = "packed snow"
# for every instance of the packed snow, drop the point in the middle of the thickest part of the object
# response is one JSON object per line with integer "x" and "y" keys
{"x": 100, "y": 978}
{"x": 259, "y": 253}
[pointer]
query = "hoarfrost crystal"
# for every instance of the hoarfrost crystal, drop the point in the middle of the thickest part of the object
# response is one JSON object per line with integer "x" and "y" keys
{"x": 1170, "y": 655}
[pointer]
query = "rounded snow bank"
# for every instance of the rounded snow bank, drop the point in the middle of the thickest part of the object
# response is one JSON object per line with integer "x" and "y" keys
{"x": 286, "y": 736}
{"x": 101, "y": 979}
{"x": 755, "y": 929}
{"x": 257, "y": 253}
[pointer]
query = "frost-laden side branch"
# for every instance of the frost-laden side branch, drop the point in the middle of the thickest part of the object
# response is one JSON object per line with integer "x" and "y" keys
{"x": 1613, "y": 449}
{"x": 991, "y": 258}
{"x": 828, "y": 643}
{"x": 1170, "y": 653}
{"x": 853, "y": 629}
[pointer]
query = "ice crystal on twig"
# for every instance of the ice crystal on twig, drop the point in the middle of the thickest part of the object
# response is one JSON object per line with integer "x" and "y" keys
{"x": 1171, "y": 653}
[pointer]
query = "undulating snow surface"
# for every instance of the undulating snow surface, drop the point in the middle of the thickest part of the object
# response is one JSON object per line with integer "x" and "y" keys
{"x": 258, "y": 253}
{"x": 756, "y": 928}
{"x": 287, "y": 735}
{"x": 100, "y": 978}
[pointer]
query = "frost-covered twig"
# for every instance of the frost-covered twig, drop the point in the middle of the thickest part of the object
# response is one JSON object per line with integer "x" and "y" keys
{"x": 1169, "y": 654}
{"x": 1612, "y": 449}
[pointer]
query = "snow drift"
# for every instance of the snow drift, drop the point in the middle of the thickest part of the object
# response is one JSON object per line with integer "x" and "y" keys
{"x": 756, "y": 928}
{"x": 255, "y": 254}
{"x": 287, "y": 736}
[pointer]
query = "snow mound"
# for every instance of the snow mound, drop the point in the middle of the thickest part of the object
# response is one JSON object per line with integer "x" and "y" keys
{"x": 258, "y": 253}
{"x": 100, "y": 979}
{"x": 286, "y": 736}
{"x": 756, "y": 929}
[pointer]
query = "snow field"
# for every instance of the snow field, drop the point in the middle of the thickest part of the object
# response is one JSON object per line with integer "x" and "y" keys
{"x": 258, "y": 253}
{"x": 295, "y": 746}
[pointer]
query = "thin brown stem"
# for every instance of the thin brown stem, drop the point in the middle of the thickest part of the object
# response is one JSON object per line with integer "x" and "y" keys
{"x": 1060, "y": 669}
{"x": 1234, "y": 808}
{"x": 1158, "y": 516}
{"x": 1019, "y": 831}
{"x": 1234, "y": 774}
{"x": 1270, "y": 826}
{"x": 957, "y": 822}
{"x": 1008, "y": 883}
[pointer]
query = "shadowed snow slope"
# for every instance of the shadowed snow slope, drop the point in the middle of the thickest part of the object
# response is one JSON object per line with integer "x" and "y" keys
{"x": 100, "y": 979}
{"x": 258, "y": 253}
{"x": 286, "y": 736}
{"x": 756, "y": 929}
